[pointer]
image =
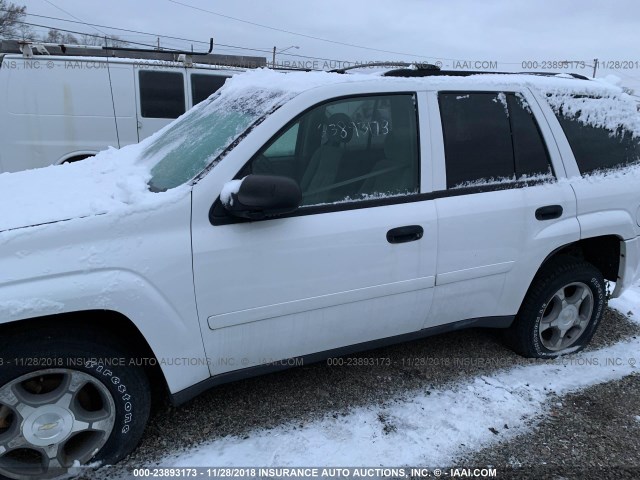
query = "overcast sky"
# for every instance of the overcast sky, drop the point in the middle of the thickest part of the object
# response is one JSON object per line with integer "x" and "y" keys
{"x": 507, "y": 31}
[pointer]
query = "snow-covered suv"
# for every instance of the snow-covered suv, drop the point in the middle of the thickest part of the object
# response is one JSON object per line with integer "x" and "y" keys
{"x": 301, "y": 216}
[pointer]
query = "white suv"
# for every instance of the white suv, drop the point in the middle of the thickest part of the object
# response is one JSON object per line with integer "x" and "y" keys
{"x": 301, "y": 216}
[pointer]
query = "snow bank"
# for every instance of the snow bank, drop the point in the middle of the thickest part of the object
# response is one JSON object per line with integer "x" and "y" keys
{"x": 427, "y": 428}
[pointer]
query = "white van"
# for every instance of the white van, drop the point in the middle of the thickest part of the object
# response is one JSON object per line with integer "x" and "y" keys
{"x": 63, "y": 104}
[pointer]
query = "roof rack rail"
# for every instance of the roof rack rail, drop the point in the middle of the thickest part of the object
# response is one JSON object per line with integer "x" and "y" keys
{"x": 406, "y": 72}
{"x": 66, "y": 50}
{"x": 294, "y": 69}
{"x": 408, "y": 66}
{"x": 174, "y": 52}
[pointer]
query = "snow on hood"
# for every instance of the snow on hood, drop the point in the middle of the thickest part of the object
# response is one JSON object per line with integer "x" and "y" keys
{"x": 109, "y": 181}
{"x": 118, "y": 180}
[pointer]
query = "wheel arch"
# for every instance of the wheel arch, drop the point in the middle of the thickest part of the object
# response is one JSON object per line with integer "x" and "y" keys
{"x": 76, "y": 156}
{"x": 105, "y": 326}
{"x": 604, "y": 252}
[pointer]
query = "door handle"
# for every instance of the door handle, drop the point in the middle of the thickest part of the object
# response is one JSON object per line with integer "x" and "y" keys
{"x": 409, "y": 233}
{"x": 549, "y": 212}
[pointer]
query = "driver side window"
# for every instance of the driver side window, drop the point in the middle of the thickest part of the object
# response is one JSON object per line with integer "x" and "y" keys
{"x": 353, "y": 149}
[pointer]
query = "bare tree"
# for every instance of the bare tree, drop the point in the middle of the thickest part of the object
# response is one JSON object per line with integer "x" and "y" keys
{"x": 10, "y": 17}
{"x": 26, "y": 33}
{"x": 56, "y": 36}
{"x": 94, "y": 40}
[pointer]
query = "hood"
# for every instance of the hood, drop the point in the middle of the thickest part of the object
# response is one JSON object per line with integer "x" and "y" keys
{"x": 110, "y": 182}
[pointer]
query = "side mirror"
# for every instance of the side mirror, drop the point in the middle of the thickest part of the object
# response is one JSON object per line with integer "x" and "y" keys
{"x": 261, "y": 196}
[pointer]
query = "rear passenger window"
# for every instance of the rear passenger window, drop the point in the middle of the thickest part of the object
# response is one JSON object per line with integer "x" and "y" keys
{"x": 597, "y": 147}
{"x": 161, "y": 94}
{"x": 490, "y": 138}
{"x": 359, "y": 148}
{"x": 203, "y": 86}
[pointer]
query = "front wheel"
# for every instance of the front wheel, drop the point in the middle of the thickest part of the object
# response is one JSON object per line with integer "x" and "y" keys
{"x": 71, "y": 403}
{"x": 561, "y": 311}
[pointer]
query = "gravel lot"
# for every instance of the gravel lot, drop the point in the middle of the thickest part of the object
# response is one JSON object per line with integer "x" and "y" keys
{"x": 591, "y": 428}
{"x": 593, "y": 434}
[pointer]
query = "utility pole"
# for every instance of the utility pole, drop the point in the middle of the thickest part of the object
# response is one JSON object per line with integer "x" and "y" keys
{"x": 273, "y": 63}
{"x": 595, "y": 67}
{"x": 158, "y": 43}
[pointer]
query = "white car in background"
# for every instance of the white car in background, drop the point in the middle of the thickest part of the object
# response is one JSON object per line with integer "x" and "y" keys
{"x": 302, "y": 216}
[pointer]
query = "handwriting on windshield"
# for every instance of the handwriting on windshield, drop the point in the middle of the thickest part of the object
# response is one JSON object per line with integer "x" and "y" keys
{"x": 344, "y": 130}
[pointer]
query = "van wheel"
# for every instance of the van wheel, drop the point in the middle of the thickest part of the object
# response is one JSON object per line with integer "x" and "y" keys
{"x": 561, "y": 311}
{"x": 75, "y": 402}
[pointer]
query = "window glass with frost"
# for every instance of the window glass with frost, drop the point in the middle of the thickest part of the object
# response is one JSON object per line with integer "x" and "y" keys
{"x": 491, "y": 138}
{"x": 603, "y": 131}
{"x": 185, "y": 148}
{"x": 353, "y": 149}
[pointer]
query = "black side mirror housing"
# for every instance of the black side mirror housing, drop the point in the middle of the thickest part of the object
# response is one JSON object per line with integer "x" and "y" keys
{"x": 261, "y": 196}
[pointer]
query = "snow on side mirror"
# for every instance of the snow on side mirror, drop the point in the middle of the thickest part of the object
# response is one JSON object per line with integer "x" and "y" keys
{"x": 261, "y": 196}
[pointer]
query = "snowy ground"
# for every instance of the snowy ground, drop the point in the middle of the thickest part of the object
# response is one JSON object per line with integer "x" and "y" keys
{"x": 430, "y": 426}
{"x": 427, "y": 429}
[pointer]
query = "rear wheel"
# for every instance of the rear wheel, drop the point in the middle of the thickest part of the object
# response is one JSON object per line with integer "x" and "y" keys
{"x": 78, "y": 401}
{"x": 561, "y": 311}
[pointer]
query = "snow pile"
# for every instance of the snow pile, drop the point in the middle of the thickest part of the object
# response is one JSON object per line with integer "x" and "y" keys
{"x": 228, "y": 190}
{"x": 109, "y": 182}
{"x": 607, "y": 109}
{"x": 628, "y": 303}
{"x": 33, "y": 307}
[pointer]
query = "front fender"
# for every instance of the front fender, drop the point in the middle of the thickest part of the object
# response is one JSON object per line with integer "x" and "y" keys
{"x": 175, "y": 343}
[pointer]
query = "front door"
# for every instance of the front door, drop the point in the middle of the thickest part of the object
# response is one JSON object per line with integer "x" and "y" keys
{"x": 337, "y": 272}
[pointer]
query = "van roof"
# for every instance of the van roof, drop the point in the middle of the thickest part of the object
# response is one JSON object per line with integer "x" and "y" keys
{"x": 79, "y": 52}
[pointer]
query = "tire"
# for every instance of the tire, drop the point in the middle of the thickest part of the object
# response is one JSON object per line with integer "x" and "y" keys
{"x": 561, "y": 311}
{"x": 67, "y": 397}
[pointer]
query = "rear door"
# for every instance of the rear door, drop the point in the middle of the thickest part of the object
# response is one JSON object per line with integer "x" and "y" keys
{"x": 501, "y": 209}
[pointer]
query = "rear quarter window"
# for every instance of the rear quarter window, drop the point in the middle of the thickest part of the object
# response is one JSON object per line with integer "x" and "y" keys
{"x": 603, "y": 132}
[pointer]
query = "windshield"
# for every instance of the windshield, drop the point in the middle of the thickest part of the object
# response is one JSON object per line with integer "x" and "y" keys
{"x": 185, "y": 148}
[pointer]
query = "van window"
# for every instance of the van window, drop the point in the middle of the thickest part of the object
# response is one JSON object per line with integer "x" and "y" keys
{"x": 203, "y": 86}
{"x": 491, "y": 137}
{"x": 161, "y": 94}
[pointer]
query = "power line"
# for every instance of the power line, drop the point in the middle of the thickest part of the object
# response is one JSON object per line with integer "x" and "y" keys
{"x": 261, "y": 50}
{"x": 71, "y": 15}
{"x": 80, "y": 33}
{"x": 303, "y": 34}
